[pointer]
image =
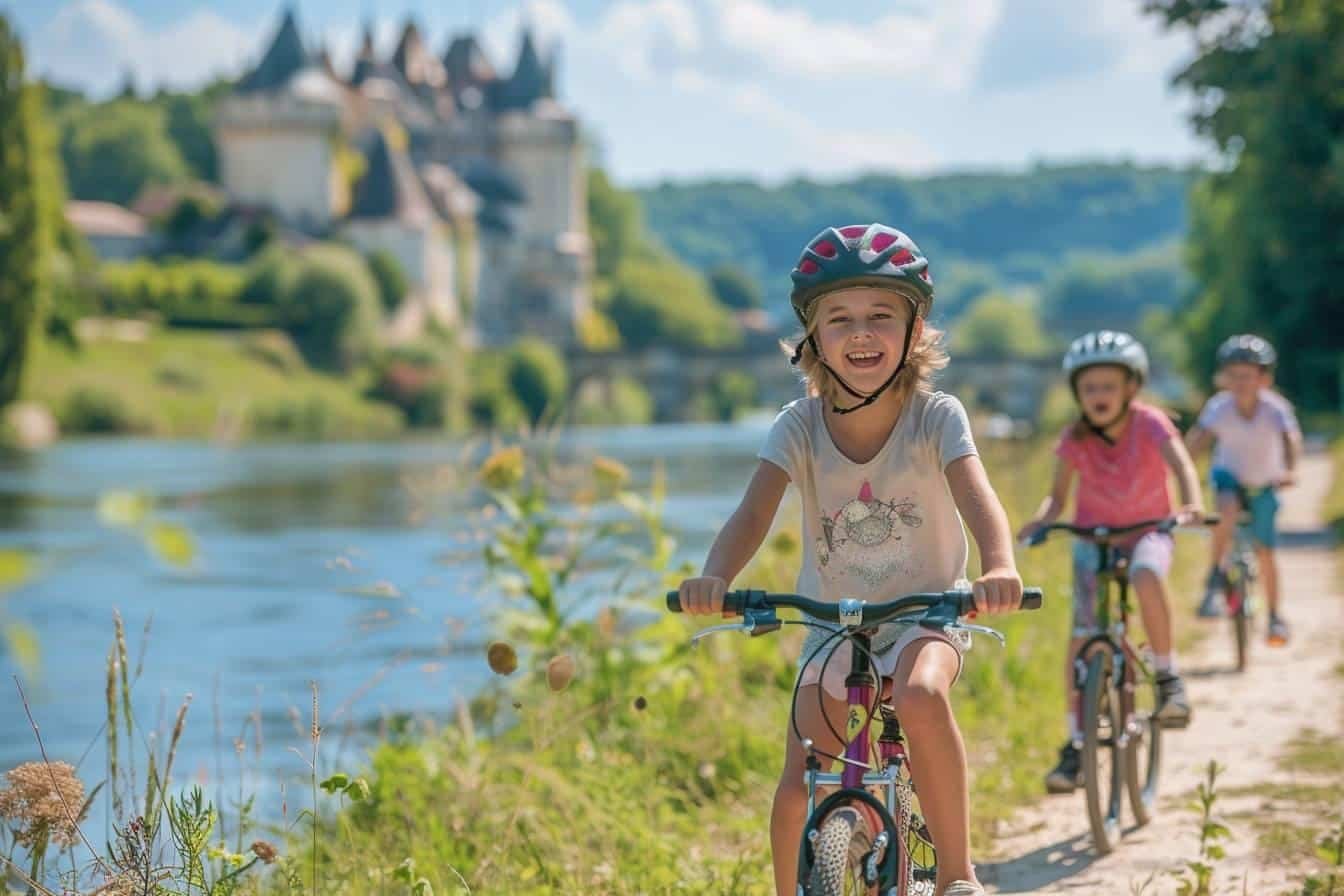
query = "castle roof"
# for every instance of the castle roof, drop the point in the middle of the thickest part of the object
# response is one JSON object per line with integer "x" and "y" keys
{"x": 284, "y": 59}
{"x": 531, "y": 80}
{"x": 389, "y": 187}
{"x": 491, "y": 182}
{"x": 467, "y": 64}
{"x": 415, "y": 62}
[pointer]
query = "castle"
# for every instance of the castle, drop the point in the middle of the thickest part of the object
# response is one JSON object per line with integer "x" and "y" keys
{"x": 473, "y": 180}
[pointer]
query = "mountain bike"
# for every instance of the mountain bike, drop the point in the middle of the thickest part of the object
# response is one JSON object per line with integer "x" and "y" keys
{"x": 1240, "y": 574}
{"x": 854, "y": 842}
{"x": 1122, "y": 739}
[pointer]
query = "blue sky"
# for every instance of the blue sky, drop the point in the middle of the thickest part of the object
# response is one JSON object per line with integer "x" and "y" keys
{"x": 761, "y": 88}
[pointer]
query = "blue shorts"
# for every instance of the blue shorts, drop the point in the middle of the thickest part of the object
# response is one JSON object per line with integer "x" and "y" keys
{"x": 1264, "y": 506}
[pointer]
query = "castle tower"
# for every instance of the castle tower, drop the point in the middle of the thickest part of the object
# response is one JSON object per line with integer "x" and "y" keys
{"x": 276, "y": 134}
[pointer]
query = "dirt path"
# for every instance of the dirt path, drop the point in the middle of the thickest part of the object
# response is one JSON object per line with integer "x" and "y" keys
{"x": 1047, "y": 849}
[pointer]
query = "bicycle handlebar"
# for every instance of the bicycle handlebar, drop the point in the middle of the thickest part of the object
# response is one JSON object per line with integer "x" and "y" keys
{"x": 1103, "y": 534}
{"x": 954, "y": 603}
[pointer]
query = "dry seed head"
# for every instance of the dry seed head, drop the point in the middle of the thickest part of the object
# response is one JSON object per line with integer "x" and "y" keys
{"x": 501, "y": 656}
{"x": 560, "y": 672}
{"x": 40, "y": 801}
{"x": 265, "y": 851}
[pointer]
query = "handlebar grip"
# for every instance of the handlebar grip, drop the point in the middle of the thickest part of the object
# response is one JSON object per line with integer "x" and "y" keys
{"x": 1031, "y": 600}
{"x": 734, "y": 602}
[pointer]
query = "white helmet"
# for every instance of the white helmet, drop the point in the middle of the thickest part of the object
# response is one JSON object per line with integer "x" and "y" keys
{"x": 1106, "y": 347}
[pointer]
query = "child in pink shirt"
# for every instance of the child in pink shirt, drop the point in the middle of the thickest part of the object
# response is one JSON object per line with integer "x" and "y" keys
{"x": 1120, "y": 450}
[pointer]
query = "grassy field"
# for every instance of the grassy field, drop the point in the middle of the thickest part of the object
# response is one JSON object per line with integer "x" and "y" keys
{"x": 184, "y": 383}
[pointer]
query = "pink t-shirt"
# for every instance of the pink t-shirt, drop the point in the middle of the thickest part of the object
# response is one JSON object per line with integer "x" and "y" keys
{"x": 1124, "y": 483}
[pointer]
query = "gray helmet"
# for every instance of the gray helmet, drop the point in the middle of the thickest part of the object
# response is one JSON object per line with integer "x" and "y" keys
{"x": 1247, "y": 348}
{"x": 1106, "y": 347}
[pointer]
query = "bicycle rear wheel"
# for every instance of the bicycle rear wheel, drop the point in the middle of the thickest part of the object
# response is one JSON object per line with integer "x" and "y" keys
{"x": 841, "y": 848}
{"x": 1102, "y": 760}
{"x": 1143, "y": 752}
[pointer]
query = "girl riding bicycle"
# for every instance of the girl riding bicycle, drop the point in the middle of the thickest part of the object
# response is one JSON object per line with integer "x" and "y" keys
{"x": 1120, "y": 451}
{"x": 886, "y": 470}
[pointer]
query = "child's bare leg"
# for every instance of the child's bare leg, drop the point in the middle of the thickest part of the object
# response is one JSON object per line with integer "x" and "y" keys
{"x": 1269, "y": 574}
{"x": 1229, "y": 511}
{"x": 1071, "y": 696}
{"x": 787, "y": 815}
{"x": 1155, "y": 609}
{"x": 920, "y": 685}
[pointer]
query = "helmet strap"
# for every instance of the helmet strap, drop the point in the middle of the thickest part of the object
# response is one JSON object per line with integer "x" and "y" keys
{"x": 1100, "y": 431}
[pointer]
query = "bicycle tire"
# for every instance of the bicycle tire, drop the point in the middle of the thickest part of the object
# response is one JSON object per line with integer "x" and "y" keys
{"x": 1143, "y": 760}
{"x": 1101, "y": 738}
{"x": 1241, "y": 630}
{"x": 842, "y": 845}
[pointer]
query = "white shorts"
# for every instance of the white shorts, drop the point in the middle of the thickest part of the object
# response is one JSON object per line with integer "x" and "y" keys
{"x": 888, "y": 644}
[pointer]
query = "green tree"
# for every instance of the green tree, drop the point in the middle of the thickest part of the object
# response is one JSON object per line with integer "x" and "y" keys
{"x": 734, "y": 289}
{"x": 1000, "y": 326}
{"x": 113, "y": 150}
{"x": 615, "y": 223}
{"x": 663, "y": 303}
{"x": 29, "y": 211}
{"x": 1267, "y": 228}
{"x": 537, "y": 377}
{"x": 391, "y": 279}
{"x": 331, "y": 309}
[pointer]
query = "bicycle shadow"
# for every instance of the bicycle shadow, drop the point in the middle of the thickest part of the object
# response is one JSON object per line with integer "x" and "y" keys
{"x": 1041, "y": 867}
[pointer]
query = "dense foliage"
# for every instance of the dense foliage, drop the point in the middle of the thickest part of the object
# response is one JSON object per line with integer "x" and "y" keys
{"x": 1267, "y": 234}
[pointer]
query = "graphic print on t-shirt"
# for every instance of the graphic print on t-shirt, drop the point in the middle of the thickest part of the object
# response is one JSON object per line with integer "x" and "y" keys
{"x": 862, "y": 538}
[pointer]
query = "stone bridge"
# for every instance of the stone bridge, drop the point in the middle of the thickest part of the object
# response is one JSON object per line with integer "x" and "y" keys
{"x": 673, "y": 378}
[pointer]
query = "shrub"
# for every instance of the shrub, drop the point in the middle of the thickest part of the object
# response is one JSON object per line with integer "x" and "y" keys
{"x": 389, "y": 276}
{"x": 622, "y": 401}
{"x": 537, "y": 377}
{"x": 661, "y": 303}
{"x": 331, "y": 310}
{"x": 88, "y": 410}
{"x": 414, "y": 380}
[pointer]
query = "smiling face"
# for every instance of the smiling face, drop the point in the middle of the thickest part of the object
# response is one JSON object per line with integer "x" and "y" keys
{"x": 1103, "y": 392}
{"x": 861, "y": 333}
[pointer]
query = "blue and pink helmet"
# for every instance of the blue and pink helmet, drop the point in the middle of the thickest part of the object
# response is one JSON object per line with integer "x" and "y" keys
{"x": 861, "y": 255}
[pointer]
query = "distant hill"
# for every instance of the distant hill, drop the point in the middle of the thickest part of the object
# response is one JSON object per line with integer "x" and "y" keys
{"x": 995, "y": 229}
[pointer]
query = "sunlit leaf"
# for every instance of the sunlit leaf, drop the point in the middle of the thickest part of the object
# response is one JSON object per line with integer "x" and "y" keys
{"x": 15, "y": 567}
{"x": 22, "y": 644}
{"x": 336, "y": 782}
{"x": 123, "y": 508}
{"x": 171, "y": 543}
{"x": 357, "y": 790}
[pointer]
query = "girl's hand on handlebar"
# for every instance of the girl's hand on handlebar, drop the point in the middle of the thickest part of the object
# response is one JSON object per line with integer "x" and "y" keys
{"x": 703, "y": 595}
{"x": 1029, "y": 530}
{"x": 1190, "y": 515}
{"x": 999, "y": 590}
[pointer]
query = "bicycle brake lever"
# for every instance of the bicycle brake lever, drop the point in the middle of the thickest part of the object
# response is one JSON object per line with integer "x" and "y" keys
{"x": 726, "y": 627}
{"x": 980, "y": 629}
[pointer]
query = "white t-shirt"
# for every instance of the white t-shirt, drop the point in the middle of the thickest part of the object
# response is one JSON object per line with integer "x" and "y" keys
{"x": 883, "y": 529}
{"x": 1250, "y": 449}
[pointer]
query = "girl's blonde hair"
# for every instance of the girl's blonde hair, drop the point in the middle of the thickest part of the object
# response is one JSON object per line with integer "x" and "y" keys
{"x": 925, "y": 356}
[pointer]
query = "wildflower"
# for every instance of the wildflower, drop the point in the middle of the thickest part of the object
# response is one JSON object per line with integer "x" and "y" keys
{"x": 610, "y": 475}
{"x": 41, "y": 801}
{"x": 265, "y": 851}
{"x": 503, "y": 470}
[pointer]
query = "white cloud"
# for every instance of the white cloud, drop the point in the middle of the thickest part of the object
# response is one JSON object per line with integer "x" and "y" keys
{"x": 94, "y": 42}
{"x": 939, "y": 43}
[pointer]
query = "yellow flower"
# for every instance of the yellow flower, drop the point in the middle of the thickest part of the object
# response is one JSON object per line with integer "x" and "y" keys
{"x": 503, "y": 469}
{"x": 610, "y": 475}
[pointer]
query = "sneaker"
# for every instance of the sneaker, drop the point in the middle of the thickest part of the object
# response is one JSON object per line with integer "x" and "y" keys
{"x": 1173, "y": 707}
{"x": 964, "y": 888}
{"x": 1068, "y": 774}
{"x": 1211, "y": 607}
{"x": 1278, "y": 631}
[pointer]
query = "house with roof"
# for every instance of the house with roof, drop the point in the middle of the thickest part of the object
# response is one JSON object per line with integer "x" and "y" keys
{"x": 474, "y": 180}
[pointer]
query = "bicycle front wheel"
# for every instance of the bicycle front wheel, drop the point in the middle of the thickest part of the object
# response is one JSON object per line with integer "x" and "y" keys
{"x": 1143, "y": 750}
{"x": 1241, "y": 626}
{"x": 841, "y": 848}
{"x": 1102, "y": 759}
